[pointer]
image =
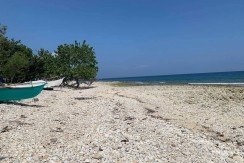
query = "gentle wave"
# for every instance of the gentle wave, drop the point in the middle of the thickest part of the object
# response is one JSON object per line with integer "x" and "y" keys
{"x": 144, "y": 83}
{"x": 234, "y": 84}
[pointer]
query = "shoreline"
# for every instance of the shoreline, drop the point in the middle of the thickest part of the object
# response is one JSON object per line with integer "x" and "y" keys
{"x": 109, "y": 123}
{"x": 135, "y": 83}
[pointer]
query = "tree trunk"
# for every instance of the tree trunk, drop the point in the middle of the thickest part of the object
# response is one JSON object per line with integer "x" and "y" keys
{"x": 77, "y": 83}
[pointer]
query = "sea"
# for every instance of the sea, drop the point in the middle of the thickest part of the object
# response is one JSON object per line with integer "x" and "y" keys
{"x": 221, "y": 78}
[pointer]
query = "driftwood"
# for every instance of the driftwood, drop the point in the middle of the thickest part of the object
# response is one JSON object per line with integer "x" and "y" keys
{"x": 71, "y": 82}
{"x": 75, "y": 83}
{"x": 87, "y": 82}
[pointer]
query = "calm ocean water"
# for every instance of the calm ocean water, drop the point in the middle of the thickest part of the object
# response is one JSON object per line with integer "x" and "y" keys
{"x": 218, "y": 77}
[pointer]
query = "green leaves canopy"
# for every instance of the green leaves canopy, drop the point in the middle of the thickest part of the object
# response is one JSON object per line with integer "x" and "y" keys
{"x": 76, "y": 60}
{"x": 18, "y": 63}
{"x": 16, "y": 66}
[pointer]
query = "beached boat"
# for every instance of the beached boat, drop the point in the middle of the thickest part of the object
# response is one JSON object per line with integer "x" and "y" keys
{"x": 54, "y": 83}
{"x": 9, "y": 93}
{"x": 49, "y": 84}
{"x": 28, "y": 84}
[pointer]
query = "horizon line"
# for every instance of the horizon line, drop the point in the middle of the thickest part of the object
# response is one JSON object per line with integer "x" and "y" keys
{"x": 173, "y": 74}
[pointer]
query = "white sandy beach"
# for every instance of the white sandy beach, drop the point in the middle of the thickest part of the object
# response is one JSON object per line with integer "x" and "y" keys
{"x": 126, "y": 124}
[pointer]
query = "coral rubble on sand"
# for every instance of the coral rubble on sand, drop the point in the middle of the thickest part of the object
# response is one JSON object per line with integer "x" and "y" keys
{"x": 126, "y": 124}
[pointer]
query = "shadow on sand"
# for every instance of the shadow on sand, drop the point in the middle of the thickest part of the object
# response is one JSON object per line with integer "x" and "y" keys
{"x": 2, "y": 158}
{"x": 20, "y": 104}
{"x": 82, "y": 88}
{"x": 85, "y": 98}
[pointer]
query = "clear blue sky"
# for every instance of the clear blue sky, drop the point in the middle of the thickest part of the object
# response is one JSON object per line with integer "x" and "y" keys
{"x": 136, "y": 37}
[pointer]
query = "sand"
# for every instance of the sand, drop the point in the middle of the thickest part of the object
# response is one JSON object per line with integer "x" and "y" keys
{"x": 107, "y": 123}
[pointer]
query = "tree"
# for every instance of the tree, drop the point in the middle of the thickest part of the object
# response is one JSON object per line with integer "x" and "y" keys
{"x": 18, "y": 63}
{"x": 49, "y": 63}
{"x": 77, "y": 61}
{"x": 16, "y": 66}
{"x": 10, "y": 51}
{"x": 3, "y": 40}
{"x": 35, "y": 68}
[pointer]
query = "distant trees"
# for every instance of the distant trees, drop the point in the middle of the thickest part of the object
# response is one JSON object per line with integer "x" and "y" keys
{"x": 14, "y": 58}
{"x": 49, "y": 67}
{"x": 16, "y": 66}
{"x": 18, "y": 63}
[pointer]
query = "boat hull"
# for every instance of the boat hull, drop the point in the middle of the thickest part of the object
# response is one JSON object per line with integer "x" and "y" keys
{"x": 19, "y": 93}
{"x": 54, "y": 83}
{"x": 50, "y": 84}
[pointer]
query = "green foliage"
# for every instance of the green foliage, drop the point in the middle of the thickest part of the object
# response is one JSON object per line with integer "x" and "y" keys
{"x": 49, "y": 61}
{"x": 35, "y": 68}
{"x": 18, "y": 63}
{"x": 3, "y": 30}
{"x": 16, "y": 66}
{"x": 76, "y": 60}
{"x": 14, "y": 58}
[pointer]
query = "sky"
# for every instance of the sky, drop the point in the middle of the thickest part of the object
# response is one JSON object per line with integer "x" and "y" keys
{"x": 136, "y": 37}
